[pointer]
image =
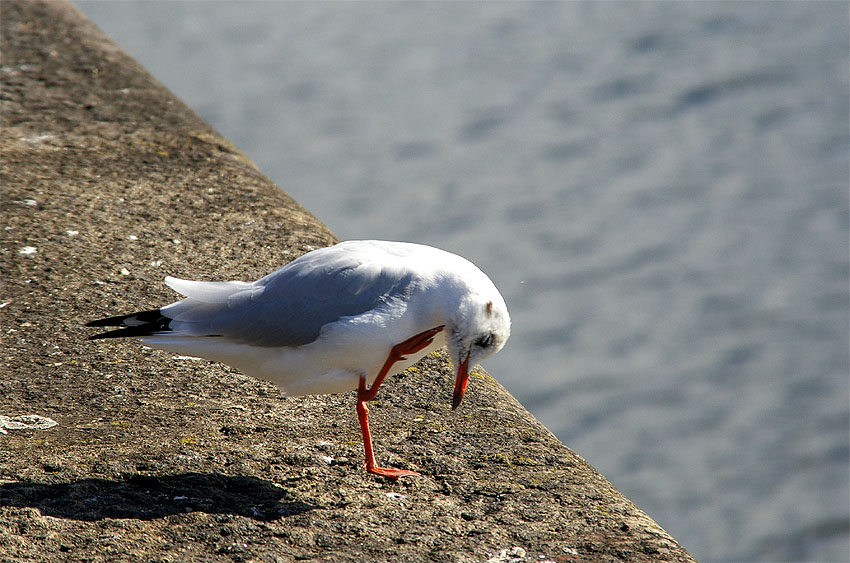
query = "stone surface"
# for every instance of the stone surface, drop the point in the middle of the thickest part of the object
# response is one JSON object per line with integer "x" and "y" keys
{"x": 108, "y": 184}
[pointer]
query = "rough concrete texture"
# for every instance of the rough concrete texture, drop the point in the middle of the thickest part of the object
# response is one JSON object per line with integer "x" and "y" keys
{"x": 109, "y": 183}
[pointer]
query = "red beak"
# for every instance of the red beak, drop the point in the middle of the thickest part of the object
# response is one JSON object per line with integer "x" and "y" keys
{"x": 460, "y": 383}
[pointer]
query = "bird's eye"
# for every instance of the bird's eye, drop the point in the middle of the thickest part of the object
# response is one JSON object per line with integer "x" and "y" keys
{"x": 485, "y": 340}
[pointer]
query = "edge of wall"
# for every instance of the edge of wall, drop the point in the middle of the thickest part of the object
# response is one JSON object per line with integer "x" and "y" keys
{"x": 110, "y": 183}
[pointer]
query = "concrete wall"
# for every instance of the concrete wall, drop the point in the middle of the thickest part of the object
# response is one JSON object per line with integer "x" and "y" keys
{"x": 108, "y": 184}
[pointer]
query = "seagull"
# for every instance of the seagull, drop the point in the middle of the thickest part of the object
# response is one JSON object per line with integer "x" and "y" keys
{"x": 333, "y": 320}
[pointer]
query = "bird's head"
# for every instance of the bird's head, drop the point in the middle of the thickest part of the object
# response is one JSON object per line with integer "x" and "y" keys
{"x": 478, "y": 329}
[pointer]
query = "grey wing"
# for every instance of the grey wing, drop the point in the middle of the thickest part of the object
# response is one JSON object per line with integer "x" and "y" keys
{"x": 290, "y": 306}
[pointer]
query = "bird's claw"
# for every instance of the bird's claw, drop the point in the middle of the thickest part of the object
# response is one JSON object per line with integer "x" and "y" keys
{"x": 418, "y": 342}
{"x": 392, "y": 472}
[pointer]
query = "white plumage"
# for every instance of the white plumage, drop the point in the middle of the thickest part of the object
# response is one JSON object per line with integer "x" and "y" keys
{"x": 333, "y": 319}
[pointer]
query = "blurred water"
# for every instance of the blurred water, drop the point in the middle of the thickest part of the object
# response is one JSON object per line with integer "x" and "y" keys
{"x": 659, "y": 189}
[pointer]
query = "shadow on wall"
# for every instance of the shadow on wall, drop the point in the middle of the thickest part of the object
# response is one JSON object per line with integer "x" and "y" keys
{"x": 150, "y": 497}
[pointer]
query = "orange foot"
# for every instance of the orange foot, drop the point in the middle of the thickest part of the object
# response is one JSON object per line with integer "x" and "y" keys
{"x": 415, "y": 343}
{"x": 392, "y": 472}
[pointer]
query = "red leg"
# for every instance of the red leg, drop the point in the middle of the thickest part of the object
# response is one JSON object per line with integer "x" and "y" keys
{"x": 409, "y": 346}
{"x": 363, "y": 416}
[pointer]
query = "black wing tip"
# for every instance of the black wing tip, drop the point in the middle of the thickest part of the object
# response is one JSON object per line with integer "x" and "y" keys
{"x": 141, "y": 317}
{"x": 143, "y": 323}
{"x": 131, "y": 331}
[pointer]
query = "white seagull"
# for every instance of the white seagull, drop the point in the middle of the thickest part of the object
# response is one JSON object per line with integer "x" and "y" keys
{"x": 335, "y": 319}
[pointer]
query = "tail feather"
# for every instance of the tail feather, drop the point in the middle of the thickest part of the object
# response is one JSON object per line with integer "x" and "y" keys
{"x": 143, "y": 323}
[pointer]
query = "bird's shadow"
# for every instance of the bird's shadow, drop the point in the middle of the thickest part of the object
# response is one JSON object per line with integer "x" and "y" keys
{"x": 148, "y": 497}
